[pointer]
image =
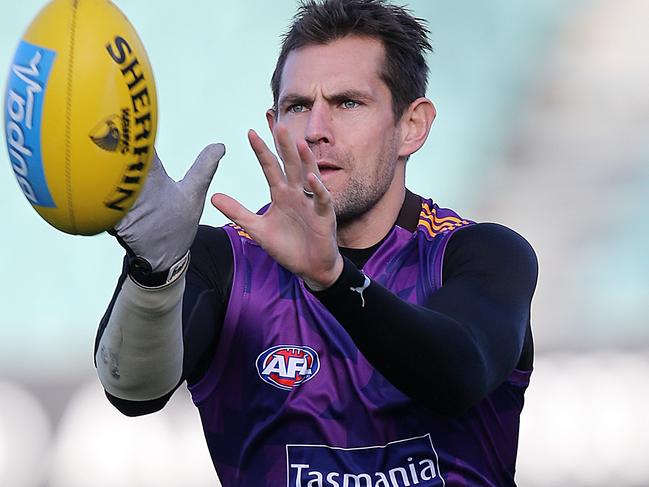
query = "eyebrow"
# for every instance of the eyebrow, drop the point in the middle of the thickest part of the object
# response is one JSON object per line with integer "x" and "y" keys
{"x": 294, "y": 99}
{"x": 339, "y": 97}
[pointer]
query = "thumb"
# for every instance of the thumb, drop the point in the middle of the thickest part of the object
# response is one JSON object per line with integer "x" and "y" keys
{"x": 157, "y": 170}
{"x": 200, "y": 174}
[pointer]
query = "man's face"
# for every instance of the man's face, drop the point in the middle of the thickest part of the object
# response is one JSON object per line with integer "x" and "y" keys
{"x": 333, "y": 97}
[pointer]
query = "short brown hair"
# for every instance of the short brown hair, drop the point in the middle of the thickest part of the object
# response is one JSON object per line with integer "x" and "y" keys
{"x": 404, "y": 38}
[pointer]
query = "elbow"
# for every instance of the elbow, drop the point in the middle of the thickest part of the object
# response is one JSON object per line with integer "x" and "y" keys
{"x": 461, "y": 388}
{"x": 137, "y": 408}
{"x": 465, "y": 394}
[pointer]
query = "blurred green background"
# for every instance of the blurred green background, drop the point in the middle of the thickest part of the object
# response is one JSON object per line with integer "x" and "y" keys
{"x": 212, "y": 62}
{"x": 542, "y": 119}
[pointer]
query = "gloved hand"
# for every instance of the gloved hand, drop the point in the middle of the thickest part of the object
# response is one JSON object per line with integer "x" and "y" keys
{"x": 160, "y": 227}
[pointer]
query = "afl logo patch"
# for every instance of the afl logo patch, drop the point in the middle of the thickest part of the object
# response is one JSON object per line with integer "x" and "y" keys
{"x": 288, "y": 366}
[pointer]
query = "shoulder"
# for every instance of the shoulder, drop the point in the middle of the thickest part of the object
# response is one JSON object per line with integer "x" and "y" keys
{"x": 211, "y": 255}
{"x": 493, "y": 248}
{"x": 209, "y": 239}
{"x": 486, "y": 236}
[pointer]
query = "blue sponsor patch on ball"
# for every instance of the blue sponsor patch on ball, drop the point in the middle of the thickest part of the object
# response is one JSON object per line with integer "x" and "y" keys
{"x": 26, "y": 88}
{"x": 409, "y": 462}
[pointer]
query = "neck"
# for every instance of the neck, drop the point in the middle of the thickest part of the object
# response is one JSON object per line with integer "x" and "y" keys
{"x": 370, "y": 227}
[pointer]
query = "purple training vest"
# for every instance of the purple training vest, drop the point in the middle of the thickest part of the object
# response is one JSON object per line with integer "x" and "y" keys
{"x": 289, "y": 399}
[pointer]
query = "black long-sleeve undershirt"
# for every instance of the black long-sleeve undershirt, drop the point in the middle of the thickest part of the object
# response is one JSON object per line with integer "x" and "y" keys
{"x": 467, "y": 338}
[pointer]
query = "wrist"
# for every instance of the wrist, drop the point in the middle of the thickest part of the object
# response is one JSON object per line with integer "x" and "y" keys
{"x": 141, "y": 274}
{"x": 328, "y": 280}
{"x": 351, "y": 282}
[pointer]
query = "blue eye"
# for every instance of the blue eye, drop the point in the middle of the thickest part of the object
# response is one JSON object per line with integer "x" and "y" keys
{"x": 350, "y": 104}
{"x": 296, "y": 109}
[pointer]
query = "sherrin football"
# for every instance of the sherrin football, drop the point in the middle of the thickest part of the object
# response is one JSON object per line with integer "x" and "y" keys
{"x": 80, "y": 115}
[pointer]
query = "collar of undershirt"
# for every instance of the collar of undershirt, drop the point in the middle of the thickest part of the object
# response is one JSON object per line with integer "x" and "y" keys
{"x": 407, "y": 219}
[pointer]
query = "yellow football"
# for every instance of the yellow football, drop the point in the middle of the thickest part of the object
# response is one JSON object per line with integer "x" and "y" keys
{"x": 80, "y": 115}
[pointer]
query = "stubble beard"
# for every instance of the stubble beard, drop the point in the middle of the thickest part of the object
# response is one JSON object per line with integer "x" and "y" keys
{"x": 364, "y": 191}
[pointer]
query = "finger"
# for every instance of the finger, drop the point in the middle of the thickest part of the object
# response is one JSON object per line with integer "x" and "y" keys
{"x": 269, "y": 163}
{"x": 200, "y": 174}
{"x": 235, "y": 211}
{"x": 157, "y": 170}
{"x": 156, "y": 163}
{"x": 309, "y": 164}
{"x": 156, "y": 177}
{"x": 290, "y": 156}
{"x": 322, "y": 198}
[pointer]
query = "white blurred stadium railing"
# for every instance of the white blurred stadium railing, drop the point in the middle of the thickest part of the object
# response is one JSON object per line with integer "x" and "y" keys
{"x": 585, "y": 423}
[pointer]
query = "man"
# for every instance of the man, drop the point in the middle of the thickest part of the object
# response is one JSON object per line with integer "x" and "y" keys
{"x": 351, "y": 333}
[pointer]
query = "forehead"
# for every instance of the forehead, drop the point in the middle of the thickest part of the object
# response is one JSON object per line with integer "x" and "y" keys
{"x": 351, "y": 62}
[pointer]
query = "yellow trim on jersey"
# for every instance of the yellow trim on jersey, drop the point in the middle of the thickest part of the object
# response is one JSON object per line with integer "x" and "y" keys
{"x": 435, "y": 225}
{"x": 240, "y": 231}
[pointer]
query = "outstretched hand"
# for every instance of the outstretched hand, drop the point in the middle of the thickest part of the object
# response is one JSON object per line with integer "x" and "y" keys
{"x": 298, "y": 230}
{"x": 161, "y": 226}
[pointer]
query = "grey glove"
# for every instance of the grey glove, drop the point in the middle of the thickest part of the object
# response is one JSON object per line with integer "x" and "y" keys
{"x": 160, "y": 227}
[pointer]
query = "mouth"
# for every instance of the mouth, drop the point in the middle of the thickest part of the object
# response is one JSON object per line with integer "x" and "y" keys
{"x": 326, "y": 168}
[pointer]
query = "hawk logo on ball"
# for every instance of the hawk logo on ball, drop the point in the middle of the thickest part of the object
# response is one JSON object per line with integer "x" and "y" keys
{"x": 106, "y": 134}
{"x": 288, "y": 366}
{"x": 112, "y": 134}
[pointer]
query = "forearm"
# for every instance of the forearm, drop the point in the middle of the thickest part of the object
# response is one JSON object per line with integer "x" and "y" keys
{"x": 167, "y": 335}
{"x": 427, "y": 354}
{"x": 140, "y": 352}
{"x": 465, "y": 339}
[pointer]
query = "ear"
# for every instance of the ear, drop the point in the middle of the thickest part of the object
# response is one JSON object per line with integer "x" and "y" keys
{"x": 415, "y": 125}
{"x": 271, "y": 118}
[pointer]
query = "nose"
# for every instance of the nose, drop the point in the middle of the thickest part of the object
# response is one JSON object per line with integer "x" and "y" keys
{"x": 319, "y": 127}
